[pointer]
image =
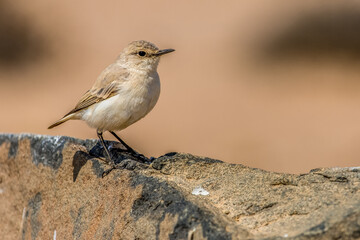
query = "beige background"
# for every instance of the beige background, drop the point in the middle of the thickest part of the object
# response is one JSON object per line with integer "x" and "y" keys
{"x": 222, "y": 97}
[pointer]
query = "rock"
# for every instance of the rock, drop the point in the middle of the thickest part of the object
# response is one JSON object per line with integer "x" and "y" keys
{"x": 52, "y": 187}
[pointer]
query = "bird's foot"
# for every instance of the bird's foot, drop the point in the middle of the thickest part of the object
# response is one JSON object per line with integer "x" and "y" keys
{"x": 110, "y": 162}
{"x": 106, "y": 172}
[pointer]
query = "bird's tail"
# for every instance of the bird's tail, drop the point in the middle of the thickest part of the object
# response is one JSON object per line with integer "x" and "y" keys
{"x": 62, "y": 120}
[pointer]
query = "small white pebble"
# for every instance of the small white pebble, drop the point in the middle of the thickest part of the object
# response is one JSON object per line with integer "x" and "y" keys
{"x": 286, "y": 235}
{"x": 1, "y": 191}
{"x": 55, "y": 235}
{"x": 199, "y": 191}
{"x": 23, "y": 214}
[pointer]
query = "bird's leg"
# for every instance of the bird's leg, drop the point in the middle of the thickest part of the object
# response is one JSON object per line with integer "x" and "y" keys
{"x": 128, "y": 148}
{"x": 99, "y": 134}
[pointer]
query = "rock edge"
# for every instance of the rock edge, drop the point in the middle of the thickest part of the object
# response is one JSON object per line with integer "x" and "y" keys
{"x": 52, "y": 186}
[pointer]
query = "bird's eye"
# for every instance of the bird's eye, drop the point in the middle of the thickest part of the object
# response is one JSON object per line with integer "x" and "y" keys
{"x": 142, "y": 53}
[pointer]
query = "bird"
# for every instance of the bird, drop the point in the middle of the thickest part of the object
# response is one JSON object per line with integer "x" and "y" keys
{"x": 123, "y": 93}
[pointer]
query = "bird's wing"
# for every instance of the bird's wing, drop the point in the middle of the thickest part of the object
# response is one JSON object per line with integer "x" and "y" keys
{"x": 107, "y": 85}
{"x": 93, "y": 96}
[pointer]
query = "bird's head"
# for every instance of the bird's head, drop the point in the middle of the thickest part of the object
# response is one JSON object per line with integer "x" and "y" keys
{"x": 142, "y": 56}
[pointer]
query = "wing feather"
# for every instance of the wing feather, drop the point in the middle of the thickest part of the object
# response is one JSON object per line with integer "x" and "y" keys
{"x": 94, "y": 96}
{"x": 107, "y": 85}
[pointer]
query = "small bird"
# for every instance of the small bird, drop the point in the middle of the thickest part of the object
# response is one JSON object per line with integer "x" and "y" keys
{"x": 123, "y": 93}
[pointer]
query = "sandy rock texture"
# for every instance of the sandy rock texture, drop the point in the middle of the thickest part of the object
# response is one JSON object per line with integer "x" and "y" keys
{"x": 52, "y": 188}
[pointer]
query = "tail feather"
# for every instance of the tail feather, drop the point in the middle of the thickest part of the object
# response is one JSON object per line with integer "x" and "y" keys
{"x": 62, "y": 120}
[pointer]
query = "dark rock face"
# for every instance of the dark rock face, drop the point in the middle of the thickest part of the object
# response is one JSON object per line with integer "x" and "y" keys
{"x": 52, "y": 187}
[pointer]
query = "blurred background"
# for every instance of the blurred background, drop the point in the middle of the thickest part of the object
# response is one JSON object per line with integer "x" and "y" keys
{"x": 269, "y": 84}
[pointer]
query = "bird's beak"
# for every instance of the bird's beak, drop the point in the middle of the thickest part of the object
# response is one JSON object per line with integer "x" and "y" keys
{"x": 164, "y": 51}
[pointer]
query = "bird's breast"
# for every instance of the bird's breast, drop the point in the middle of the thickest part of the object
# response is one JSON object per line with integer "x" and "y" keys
{"x": 136, "y": 98}
{"x": 141, "y": 94}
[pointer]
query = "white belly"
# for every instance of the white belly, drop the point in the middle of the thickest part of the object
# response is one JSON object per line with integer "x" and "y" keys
{"x": 118, "y": 112}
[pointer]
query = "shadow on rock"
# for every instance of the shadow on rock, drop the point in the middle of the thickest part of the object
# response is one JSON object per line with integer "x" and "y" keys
{"x": 121, "y": 158}
{"x": 79, "y": 160}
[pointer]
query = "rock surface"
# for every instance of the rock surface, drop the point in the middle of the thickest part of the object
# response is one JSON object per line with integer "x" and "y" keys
{"x": 52, "y": 188}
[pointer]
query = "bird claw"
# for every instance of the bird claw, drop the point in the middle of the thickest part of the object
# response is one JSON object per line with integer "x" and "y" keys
{"x": 106, "y": 172}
